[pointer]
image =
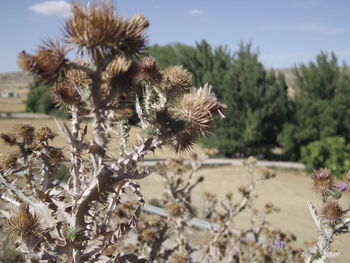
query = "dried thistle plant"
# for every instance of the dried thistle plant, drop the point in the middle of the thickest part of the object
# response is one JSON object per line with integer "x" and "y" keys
{"x": 331, "y": 220}
{"x": 174, "y": 239}
{"x": 104, "y": 84}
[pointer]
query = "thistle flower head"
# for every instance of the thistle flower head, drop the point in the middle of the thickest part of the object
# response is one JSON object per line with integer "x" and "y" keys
{"x": 173, "y": 208}
{"x": 9, "y": 161}
{"x": 55, "y": 154}
{"x": 323, "y": 181}
{"x": 23, "y": 224}
{"x": 342, "y": 186}
{"x": 9, "y": 139}
{"x": 65, "y": 93}
{"x": 198, "y": 109}
{"x": 94, "y": 28}
{"x": 135, "y": 37}
{"x": 280, "y": 244}
{"x": 118, "y": 76}
{"x": 149, "y": 234}
{"x": 115, "y": 67}
{"x": 176, "y": 79}
{"x": 332, "y": 213}
{"x": 44, "y": 134}
{"x": 148, "y": 71}
{"x": 25, "y": 130}
{"x": 47, "y": 63}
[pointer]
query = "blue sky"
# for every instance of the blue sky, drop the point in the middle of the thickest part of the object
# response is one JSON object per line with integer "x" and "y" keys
{"x": 286, "y": 32}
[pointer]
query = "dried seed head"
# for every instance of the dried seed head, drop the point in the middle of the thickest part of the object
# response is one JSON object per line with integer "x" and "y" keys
{"x": 95, "y": 28}
{"x": 198, "y": 109}
{"x": 323, "y": 182}
{"x": 23, "y": 224}
{"x": 65, "y": 93}
{"x": 153, "y": 220}
{"x": 148, "y": 72}
{"x": 55, "y": 154}
{"x": 176, "y": 80}
{"x": 9, "y": 161}
{"x": 44, "y": 134}
{"x": 9, "y": 139}
{"x": 135, "y": 38}
{"x": 332, "y": 213}
{"x": 149, "y": 234}
{"x": 173, "y": 208}
{"x": 78, "y": 78}
{"x": 115, "y": 67}
{"x": 25, "y": 130}
{"x": 48, "y": 62}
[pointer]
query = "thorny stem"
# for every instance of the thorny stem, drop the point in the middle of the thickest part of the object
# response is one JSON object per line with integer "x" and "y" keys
{"x": 76, "y": 152}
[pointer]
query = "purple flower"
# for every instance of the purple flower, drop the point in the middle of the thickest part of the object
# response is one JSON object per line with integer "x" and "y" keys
{"x": 342, "y": 186}
{"x": 280, "y": 244}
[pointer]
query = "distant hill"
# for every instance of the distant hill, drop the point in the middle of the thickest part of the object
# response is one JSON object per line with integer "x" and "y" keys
{"x": 14, "y": 81}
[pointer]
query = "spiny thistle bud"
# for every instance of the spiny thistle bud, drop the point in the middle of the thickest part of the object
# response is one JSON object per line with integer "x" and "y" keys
{"x": 9, "y": 161}
{"x": 94, "y": 27}
{"x": 148, "y": 71}
{"x": 176, "y": 80}
{"x": 332, "y": 213}
{"x": 323, "y": 182}
{"x": 173, "y": 208}
{"x": 47, "y": 64}
{"x": 9, "y": 139}
{"x": 197, "y": 109}
{"x": 44, "y": 134}
{"x": 181, "y": 141}
{"x": 23, "y": 224}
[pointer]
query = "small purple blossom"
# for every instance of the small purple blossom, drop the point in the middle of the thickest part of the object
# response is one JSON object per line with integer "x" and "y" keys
{"x": 342, "y": 186}
{"x": 280, "y": 244}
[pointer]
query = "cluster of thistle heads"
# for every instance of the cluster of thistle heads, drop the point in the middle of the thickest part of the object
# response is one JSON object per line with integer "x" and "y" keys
{"x": 110, "y": 74}
{"x": 28, "y": 141}
{"x": 330, "y": 191}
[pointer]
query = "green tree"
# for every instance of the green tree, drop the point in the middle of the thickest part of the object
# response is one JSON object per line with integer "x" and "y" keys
{"x": 39, "y": 98}
{"x": 330, "y": 152}
{"x": 257, "y": 106}
{"x": 321, "y": 105}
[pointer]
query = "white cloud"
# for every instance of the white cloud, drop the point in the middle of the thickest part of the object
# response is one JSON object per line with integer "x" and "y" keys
{"x": 311, "y": 28}
{"x": 195, "y": 12}
{"x": 52, "y": 8}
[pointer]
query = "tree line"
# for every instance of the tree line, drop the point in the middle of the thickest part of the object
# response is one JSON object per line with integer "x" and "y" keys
{"x": 263, "y": 118}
